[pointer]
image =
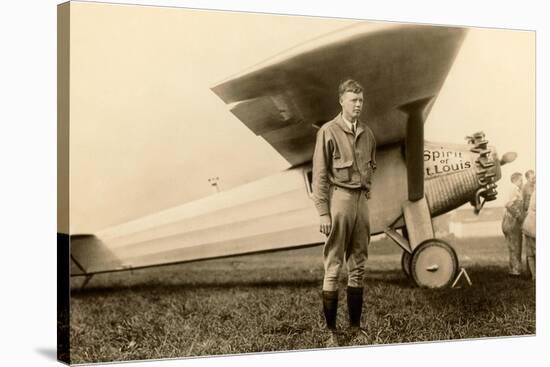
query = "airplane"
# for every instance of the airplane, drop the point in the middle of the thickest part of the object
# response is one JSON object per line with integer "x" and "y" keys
{"x": 285, "y": 100}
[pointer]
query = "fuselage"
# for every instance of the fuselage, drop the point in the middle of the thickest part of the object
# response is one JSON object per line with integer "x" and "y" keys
{"x": 276, "y": 213}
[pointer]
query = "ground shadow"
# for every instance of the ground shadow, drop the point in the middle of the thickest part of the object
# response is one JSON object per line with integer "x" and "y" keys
{"x": 159, "y": 287}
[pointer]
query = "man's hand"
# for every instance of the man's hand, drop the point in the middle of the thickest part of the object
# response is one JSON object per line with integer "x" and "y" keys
{"x": 326, "y": 224}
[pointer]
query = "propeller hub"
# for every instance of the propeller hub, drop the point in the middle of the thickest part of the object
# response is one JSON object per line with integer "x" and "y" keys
{"x": 508, "y": 157}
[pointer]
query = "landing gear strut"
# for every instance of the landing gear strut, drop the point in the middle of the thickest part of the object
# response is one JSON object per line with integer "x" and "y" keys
{"x": 406, "y": 256}
{"x": 406, "y": 263}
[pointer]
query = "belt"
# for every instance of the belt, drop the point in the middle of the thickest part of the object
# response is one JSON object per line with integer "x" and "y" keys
{"x": 350, "y": 189}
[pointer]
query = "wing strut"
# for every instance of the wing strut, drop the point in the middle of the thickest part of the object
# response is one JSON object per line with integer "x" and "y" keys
{"x": 414, "y": 146}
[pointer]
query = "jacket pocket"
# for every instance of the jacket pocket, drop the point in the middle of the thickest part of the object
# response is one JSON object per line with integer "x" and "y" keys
{"x": 341, "y": 170}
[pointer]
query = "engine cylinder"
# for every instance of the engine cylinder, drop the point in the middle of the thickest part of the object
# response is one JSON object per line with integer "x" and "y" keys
{"x": 450, "y": 191}
{"x": 457, "y": 174}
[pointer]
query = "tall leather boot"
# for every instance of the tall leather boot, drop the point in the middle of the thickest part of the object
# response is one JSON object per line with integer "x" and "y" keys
{"x": 355, "y": 307}
{"x": 330, "y": 309}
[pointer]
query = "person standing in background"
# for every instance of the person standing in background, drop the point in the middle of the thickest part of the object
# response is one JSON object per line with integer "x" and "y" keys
{"x": 511, "y": 224}
{"x": 528, "y": 188}
{"x": 529, "y": 229}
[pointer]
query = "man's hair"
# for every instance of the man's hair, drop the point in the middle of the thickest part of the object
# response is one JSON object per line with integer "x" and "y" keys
{"x": 529, "y": 173}
{"x": 515, "y": 176}
{"x": 349, "y": 85}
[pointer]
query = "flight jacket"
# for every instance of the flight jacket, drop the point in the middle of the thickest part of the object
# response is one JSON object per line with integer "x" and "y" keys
{"x": 342, "y": 159}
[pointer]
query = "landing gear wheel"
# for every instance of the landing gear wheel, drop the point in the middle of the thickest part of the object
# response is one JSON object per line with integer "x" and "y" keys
{"x": 434, "y": 264}
{"x": 406, "y": 263}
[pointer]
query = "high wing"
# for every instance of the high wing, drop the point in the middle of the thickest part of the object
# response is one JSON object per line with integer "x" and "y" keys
{"x": 286, "y": 98}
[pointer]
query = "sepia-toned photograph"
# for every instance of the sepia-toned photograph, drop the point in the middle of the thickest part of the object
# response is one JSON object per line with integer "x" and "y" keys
{"x": 236, "y": 182}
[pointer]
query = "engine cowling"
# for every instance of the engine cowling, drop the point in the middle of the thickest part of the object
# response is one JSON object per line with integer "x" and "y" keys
{"x": 457, "y": 174}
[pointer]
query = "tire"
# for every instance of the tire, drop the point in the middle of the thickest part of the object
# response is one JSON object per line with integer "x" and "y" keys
{"x": 434, "y": 264}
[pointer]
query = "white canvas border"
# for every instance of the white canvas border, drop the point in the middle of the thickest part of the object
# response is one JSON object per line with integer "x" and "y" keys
{"x": 28, "y": 150}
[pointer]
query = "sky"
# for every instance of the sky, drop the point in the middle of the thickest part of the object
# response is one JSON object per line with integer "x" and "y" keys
{"x": 147, "y": 132}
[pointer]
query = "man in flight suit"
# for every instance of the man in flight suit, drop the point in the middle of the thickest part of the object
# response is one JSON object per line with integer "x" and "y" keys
{"x": 343, "y": 166}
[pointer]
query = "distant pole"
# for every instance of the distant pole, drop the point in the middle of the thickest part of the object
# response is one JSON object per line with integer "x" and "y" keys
{"x": 214, "y": 181}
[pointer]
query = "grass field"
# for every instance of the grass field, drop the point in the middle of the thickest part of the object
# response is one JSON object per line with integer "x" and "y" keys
{"x": 271, "y": 302}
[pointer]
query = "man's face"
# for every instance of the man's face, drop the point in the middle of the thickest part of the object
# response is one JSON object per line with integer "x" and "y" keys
{"x": 519, "y": 182}
{"x": 352, "y": 104}
{"x": 531, "y": 179}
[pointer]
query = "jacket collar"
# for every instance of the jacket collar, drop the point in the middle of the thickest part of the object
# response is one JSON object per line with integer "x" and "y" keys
{"x": 340, "y": 122}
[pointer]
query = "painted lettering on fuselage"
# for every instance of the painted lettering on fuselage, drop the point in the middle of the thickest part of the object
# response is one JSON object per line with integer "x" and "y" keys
{"x": 439, "y": 161}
